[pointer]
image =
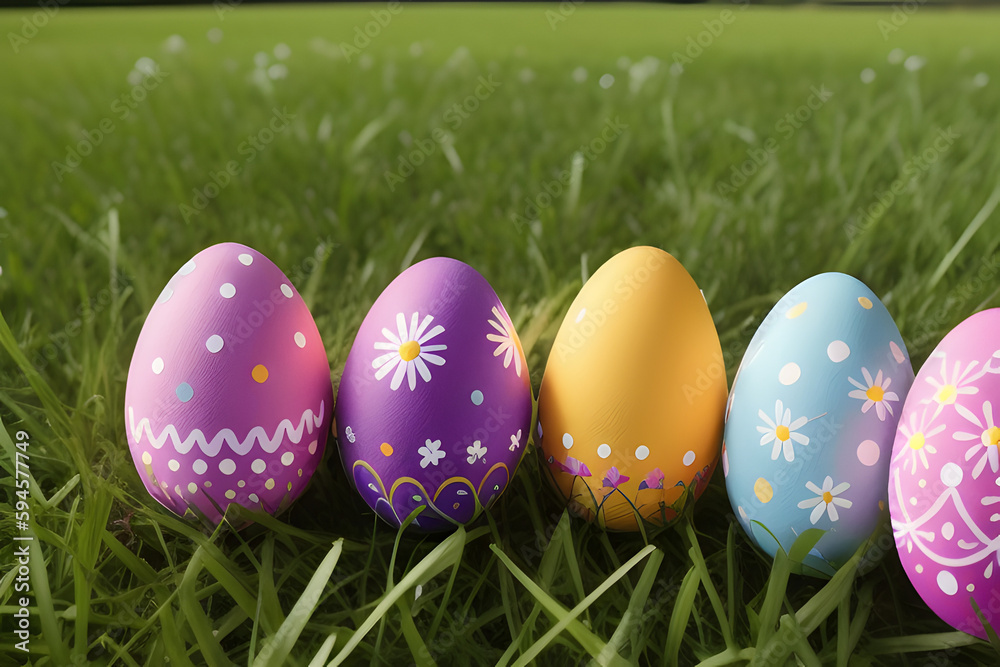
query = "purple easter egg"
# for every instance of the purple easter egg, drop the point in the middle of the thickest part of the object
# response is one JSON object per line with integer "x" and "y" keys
{"x": 434, "y": 405}
{"x": 228, "y": 398}
{"x": 943, "y": 479}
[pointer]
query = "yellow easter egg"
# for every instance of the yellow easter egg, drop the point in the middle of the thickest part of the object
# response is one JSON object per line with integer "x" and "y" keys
{"x": 630, "y": 410}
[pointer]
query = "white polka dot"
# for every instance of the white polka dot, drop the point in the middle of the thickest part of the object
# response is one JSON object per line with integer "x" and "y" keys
{"x": 567, "y": 440}
{"x": 241, "y": 483}
{"x": 897, "y": 353}
{"x": 192, "y": 487}
{"x": 838, "y": 351}
{"x": 948, "y": 530}
{"x": 604, "y": 451}
{"x": 286, "y": 290}
{"x": 253, "y": 498}
{"x": 200, "y": 467}
{"x": 641, "y": 452}
{"x": 174, "y": 465}
{"x": 187, "y": 268}
{"x": 689, "y": 458}
{"x": 947, "y": 583}
{"x": 951, "y": 474}
{"x": 230, "y": 494}
{"x": 227, "y": 466}
{"x": 214, "y": 343}
{"x": 165, "y": 295}
{"x": 287, "y": 458}
{"x": 913, "y": 500}
{"x": 158, "y": 365}
{"x": 147, "y": 458}
{"x": 581, "y": 314}
{"x": 312, "y": 447}
{"x": 743, "y": 512}
{"x": 300, "y": 339}
{"x": 790, "y": 372}
{"x": 970, "y": 587}
{"x": 258, "y": 466}
{"x": 245, "y": 259}
{"x": 919, "y": 568}
{"x": 228, "y": 290}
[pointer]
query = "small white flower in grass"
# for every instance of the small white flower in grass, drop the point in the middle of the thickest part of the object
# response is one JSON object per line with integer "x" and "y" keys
{"x": 914, "y": 63}
{"x": 782, "y": 432}
{"x": 476, "y": 451}
{"x": 580, "y": 74}
{"x": 896, "y": 56}
{"x": 410, "y": 352}
{"x": 826, "y": 500}
{"x": 174, "y": 44}
{"x": 980, "y": 80}
{"x": 282, "y": 51}
{"x": 988, "y": 437}
{"x": 606, "y": 81}
{"x": 432, "y": 453}
{"x": 874, "y": 392}
{"x": 867, "y": 75}
{"x": 214, "y": 35}
{"x": 277, "y": 71}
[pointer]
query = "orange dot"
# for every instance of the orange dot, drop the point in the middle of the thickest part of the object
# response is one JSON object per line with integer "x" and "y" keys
{"x": 386, "y": 449}
{"x": 259, "y": 373}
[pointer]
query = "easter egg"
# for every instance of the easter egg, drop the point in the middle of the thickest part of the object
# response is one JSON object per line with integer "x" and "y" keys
{"x": 228, "y": 397}
{"x": 811, "y": 420}
{"x": 434, "y": 405}
{"x": 631, "y": 403}
{"x": 944, "y": 498}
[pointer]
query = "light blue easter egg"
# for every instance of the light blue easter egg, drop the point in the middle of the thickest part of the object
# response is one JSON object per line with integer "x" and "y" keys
{"x": 811, "y": 420}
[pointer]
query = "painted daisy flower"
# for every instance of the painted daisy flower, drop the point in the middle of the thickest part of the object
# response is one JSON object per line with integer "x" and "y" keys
{"x": 826, "y": 500}
{"x": 988, "y": 438}
{"x": 506, "y": 341}
{"x": 476, "y": 451}
{"x": 782, "y": 431}
{"x": 948, "y": 389}
{"x": 874, "y": 392}
{"x": 410, "y": 352}
{"x": 917, "y": 435}
{"x": 612, "y": 478}
{"x": 432, "y": 453}
{"x": 515, "y": 440}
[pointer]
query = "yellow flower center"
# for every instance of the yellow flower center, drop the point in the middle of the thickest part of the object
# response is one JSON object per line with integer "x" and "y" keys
{"x": 917, "y": 441}
{"x": 782, "y": 433}
{"x": 947, "y": 394}
{"x": 409, "y": 351}
{"x": 827, "y": 497}
{"x": 875, "y": 393}
{"x": 991, "y": 436}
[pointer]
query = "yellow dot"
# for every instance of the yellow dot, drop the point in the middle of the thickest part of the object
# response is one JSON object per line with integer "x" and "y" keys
{"x": 797, "y": 310}
{"x": 991, "y": 436}
{"x": 455, "y": 506}
{"x": 300, "y": 472}
{"x": 192, "y": 487}
{"x": 208, "y": 484}
{"x": 386, "y": 449}
{"x": 762, "y": 489}
{"x": 230, "y": 494}
{"x": 917, "y": 441}
{"x": 409, "y": 351}
{"x": 919, "y": 569}
{"x": 259, "y": 373}
{"x": 241, "y": 483}
{"x": 269, "y": 484}
{"x": 289, "y": 486}
{"x": 947, "y": 394}
{"x": 865, "y": 302}
{"x": 827, "y": 497}
{"x": 146, "y": 458}
{"x": 875, "y": 394}
{"x": 782, "y": 433}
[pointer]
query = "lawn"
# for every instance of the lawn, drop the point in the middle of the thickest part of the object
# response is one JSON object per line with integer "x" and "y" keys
{"x": 759, "y": 146}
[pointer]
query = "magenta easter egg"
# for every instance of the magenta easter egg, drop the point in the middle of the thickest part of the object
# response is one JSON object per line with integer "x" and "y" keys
{"x": 944, "y": 499}
{"x": 434, "y": 405}
{"x": 228, "y": 398}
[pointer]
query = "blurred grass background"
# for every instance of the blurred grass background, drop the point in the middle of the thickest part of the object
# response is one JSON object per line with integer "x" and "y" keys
{"x": 85, "y": 250}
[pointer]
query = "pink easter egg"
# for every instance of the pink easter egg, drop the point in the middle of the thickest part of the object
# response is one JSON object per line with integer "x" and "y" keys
{"x": 228, "y": 397}
{"x": 944, "y": 478}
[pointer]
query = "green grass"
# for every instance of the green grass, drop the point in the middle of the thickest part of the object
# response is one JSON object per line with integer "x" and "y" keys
{"x": 116, "y": 579}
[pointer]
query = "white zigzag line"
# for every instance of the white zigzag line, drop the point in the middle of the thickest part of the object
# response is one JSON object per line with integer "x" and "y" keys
{"x": 308, "y": 422}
